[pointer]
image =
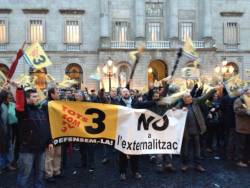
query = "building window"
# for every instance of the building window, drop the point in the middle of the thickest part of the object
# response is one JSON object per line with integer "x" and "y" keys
{"x": 154, "y": 9}
{"x": 72, "y": 32}
{"x": 185, "y": 30}
{"x": 121, "y": 31}
{"x": 231, "y": 33}
{"x": 37, "y": 31}
{"x": 154, "y": 31}
{"x": 3, "y": 32}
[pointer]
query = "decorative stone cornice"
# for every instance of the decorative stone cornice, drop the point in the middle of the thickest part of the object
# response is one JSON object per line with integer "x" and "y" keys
{"x": 36, "y": 11}
{"x": 5, "y": 11}
{"x": 72, "y": 11}
{"x": 231, "y": 14}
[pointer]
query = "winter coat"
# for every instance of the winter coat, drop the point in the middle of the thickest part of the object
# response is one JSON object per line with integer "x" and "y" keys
{"x": 137, "y": 104}
{"x": 197, "y": 111}
{"x": 34, "y": 126}
{"x": 241, "y": 117}
{"x": 227, "y": 111}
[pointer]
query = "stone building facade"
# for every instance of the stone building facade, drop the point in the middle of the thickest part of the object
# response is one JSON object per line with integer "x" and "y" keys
{"x": 81, "y": 35}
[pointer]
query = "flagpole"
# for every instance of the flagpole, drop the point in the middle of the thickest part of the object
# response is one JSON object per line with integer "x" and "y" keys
{"x": 15, "y": 62}
{"x": 179, "y": 54}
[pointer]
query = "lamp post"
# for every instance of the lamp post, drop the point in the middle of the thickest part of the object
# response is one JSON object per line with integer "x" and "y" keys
{"x": 109, "y": 70}
{"x": 224, "y": 69}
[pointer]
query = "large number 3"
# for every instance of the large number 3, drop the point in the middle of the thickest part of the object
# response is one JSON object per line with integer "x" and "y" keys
{"x": 40, "y": 60}
{"x": 99, "y": 121}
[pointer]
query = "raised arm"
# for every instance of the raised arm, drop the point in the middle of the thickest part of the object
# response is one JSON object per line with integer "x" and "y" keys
{"x": 203, "y": 98}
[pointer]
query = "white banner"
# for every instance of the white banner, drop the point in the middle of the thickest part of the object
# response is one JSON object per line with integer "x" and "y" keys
{"x": 143, "y": 132}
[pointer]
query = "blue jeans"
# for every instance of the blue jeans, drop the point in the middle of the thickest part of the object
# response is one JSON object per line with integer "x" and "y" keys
{"x": 4, "y": 161}
{"x": 31, "y": 165}
{"x": 6, "y": 158}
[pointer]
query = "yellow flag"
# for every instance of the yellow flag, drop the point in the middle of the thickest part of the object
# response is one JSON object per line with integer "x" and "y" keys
{"x": 189, "y": 46}
{"x": 190, "y": 52}
{"x": 36, "y": 57}
{"x": 3, "y": 78}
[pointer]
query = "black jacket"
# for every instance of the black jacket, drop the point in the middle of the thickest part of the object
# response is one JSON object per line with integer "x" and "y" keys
{"x": 228, "y": 115}
{"x": 34, "y": 128}
{"x": 137, "y": 104}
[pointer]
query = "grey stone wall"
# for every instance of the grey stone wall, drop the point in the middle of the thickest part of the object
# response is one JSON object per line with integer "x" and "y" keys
{"x": 93, "y": 27}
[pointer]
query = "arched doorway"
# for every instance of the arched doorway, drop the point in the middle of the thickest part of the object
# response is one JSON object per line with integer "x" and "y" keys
{"x": 4, "y": 68}
{"x": 157, "y": 70}
{"x": 40, "y": 76}
{"x": 123, "y": 74}
{"x": 74, "y": 71}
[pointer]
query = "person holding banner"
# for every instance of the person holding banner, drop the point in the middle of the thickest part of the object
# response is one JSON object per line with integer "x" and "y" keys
{"x": 52, "y": 159}
{"x": 195, "y": 126}
{"x": 127, "y": 101}
{"x": 164, "y": 161}
{"x": 87, "y": 151}
{"x": 35, "y": 137}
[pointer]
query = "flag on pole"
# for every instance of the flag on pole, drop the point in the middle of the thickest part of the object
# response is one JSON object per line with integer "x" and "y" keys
{"x": 14, "y": 64}
{"x": 36, "y": 57}
{"x": 190, "y": 53}
{"x": 3, "y": 79}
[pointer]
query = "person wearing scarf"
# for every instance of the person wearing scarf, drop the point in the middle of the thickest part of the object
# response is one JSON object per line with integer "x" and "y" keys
{"x": 9, "y": 120}
{"x": 126, "y": 100}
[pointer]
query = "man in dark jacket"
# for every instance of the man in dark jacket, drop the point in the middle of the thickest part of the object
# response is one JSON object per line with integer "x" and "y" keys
{"x": 195, "y": 126}
{"x": 127, "y": 101}
{"x": 113, "y": 97}
{"x": 34, "y": 138}
{"x": 227, "y": 131}
{"x": 52, "y": 159}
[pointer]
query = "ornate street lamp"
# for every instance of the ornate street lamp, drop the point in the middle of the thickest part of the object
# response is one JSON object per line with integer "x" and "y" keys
{"x": 109, "y": 70}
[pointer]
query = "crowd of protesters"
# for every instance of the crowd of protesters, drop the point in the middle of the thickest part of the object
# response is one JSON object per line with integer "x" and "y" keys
{"x": 216, "y": 124}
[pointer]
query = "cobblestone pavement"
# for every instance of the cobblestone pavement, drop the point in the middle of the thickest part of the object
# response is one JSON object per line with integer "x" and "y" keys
{"x": 219, "y": 174}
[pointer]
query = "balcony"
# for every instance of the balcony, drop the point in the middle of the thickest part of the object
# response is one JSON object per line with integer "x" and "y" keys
{"x": 231, "y": 47}
{"x": 123, "y": 45}
{"x": 153, "y": 44}
{"x": 72, "y": 47}
{"x": 3, "y": 47}
{"x": 157, "y": 44}
{"x": 199, "y": 44}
